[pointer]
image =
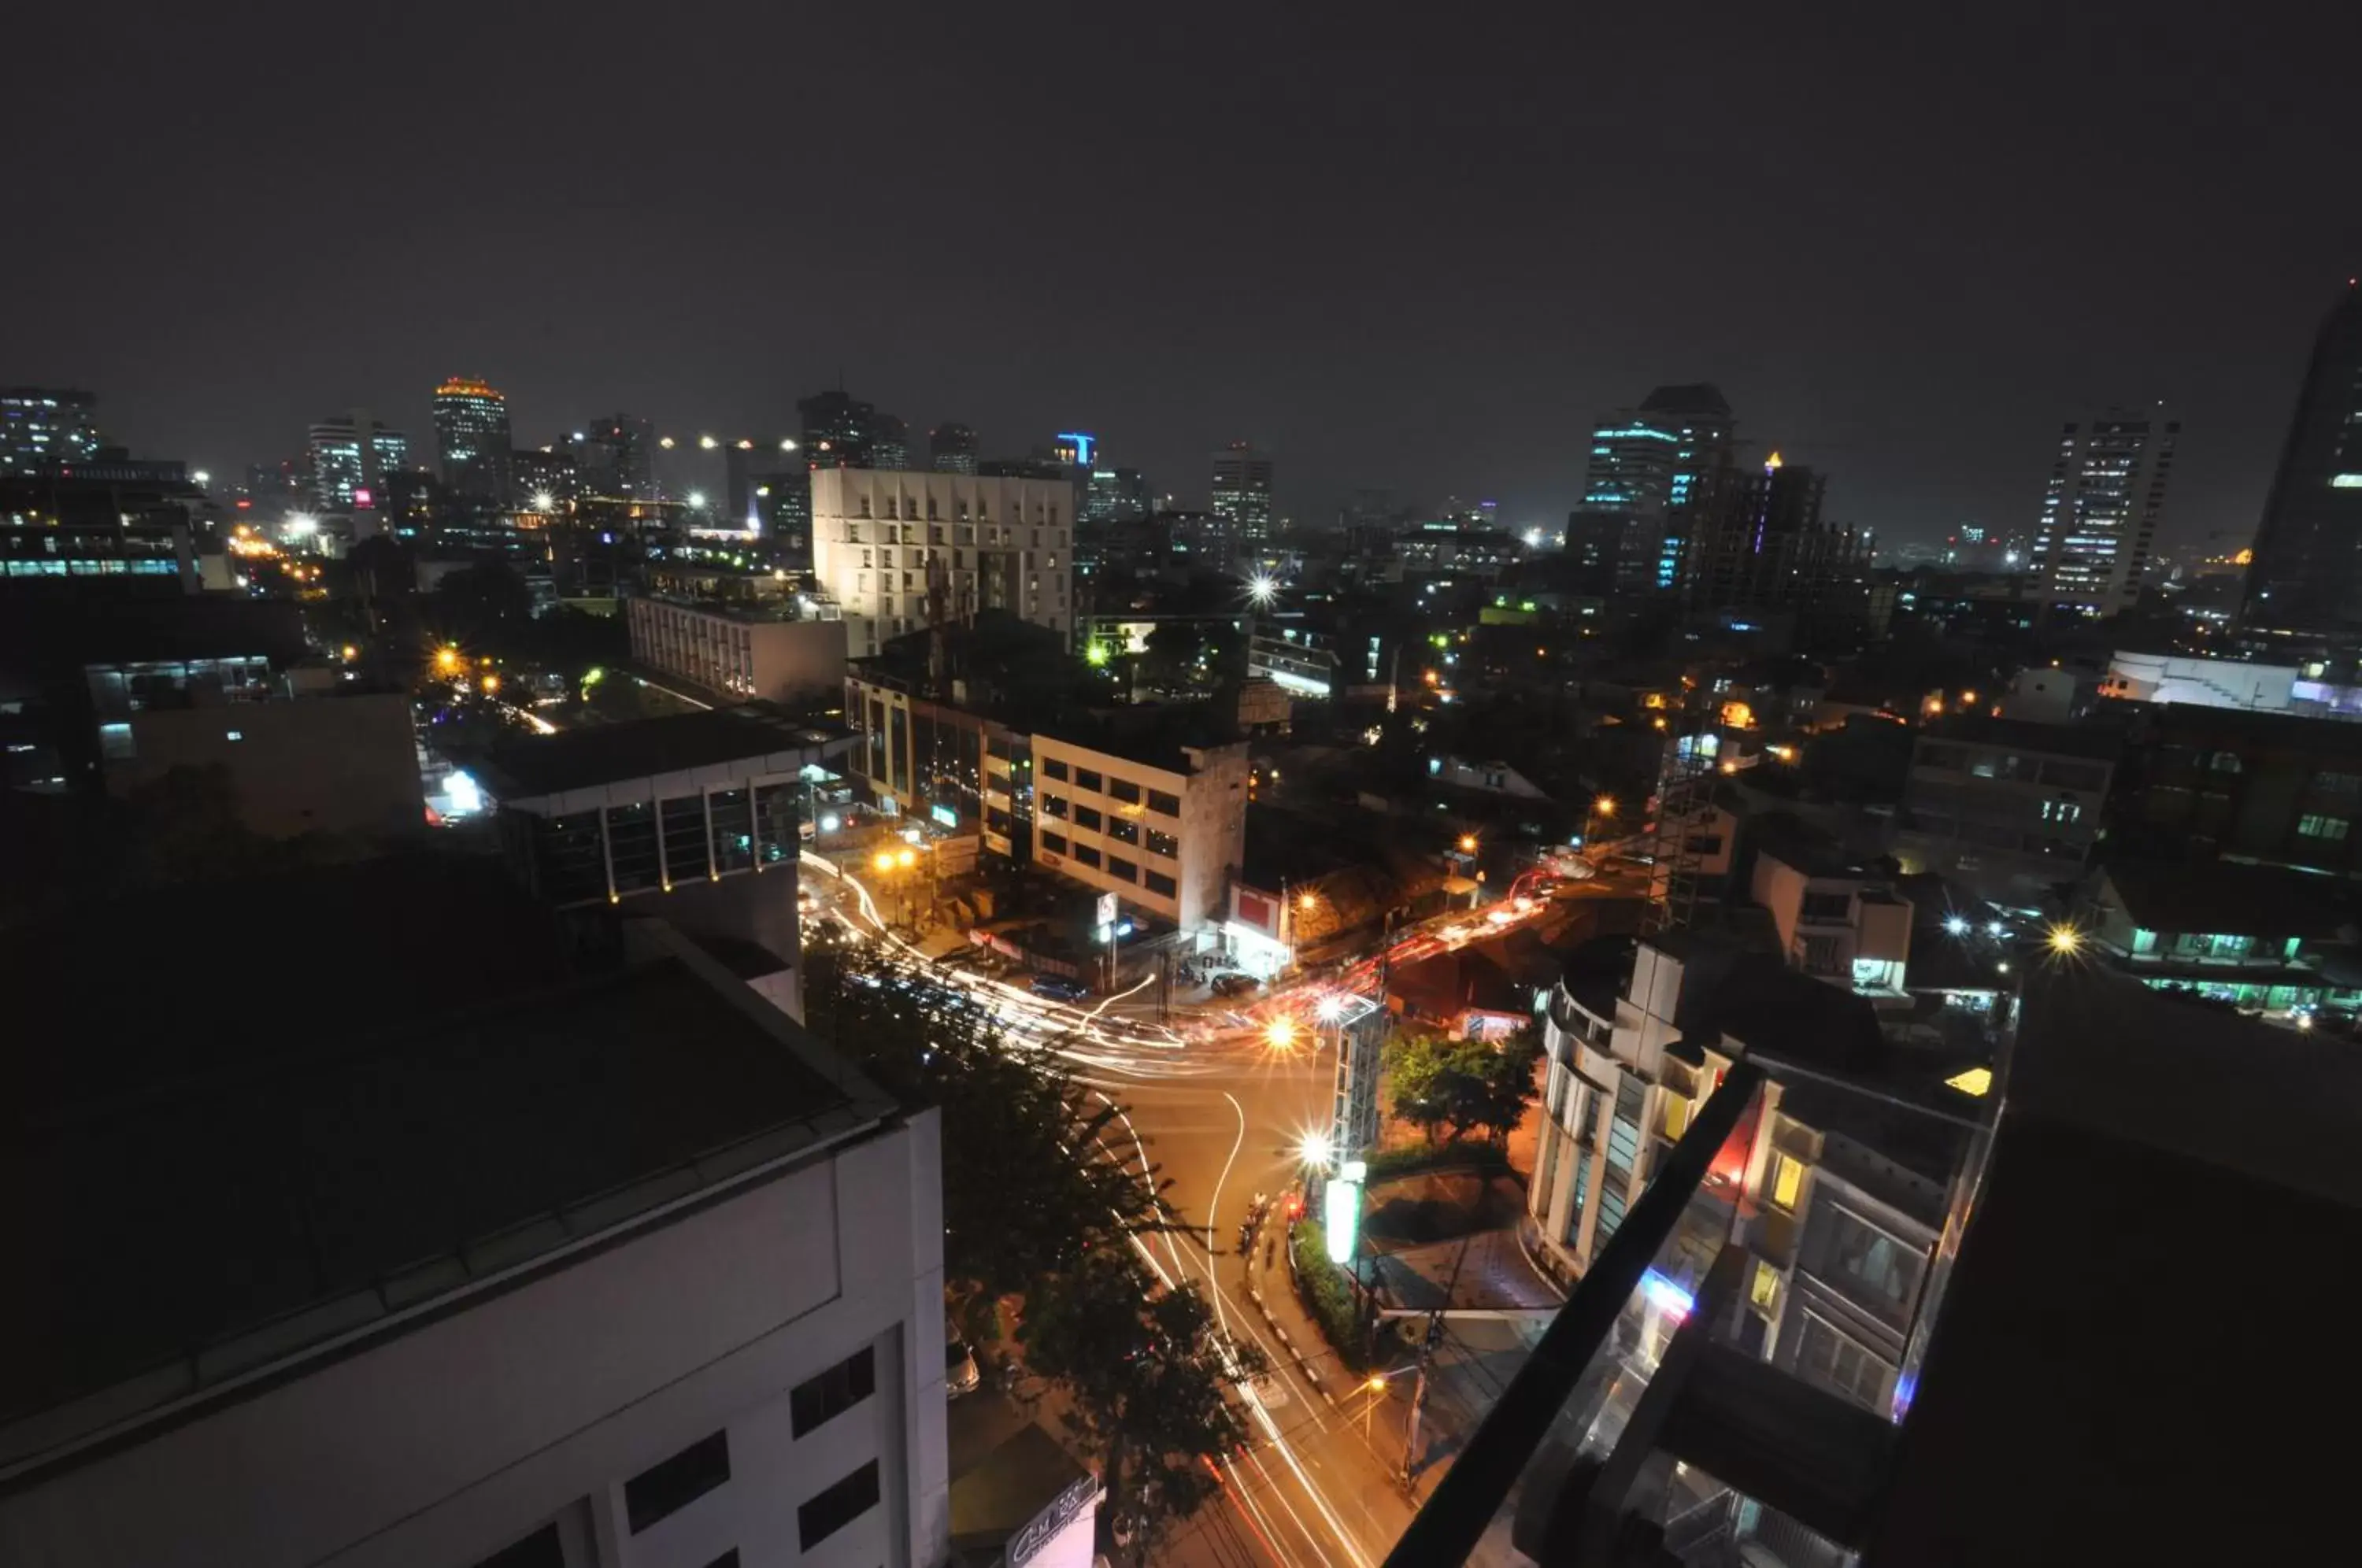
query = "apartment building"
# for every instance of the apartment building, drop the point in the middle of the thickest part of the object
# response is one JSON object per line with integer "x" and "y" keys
{"x": 1836, "y": 920}
{"x": 528, "y": 1266}
{"x": 1841, "y": 1186}
{"x": 2278, "y": 788}
{"x": 2261, "y": 938}
{"x": 780, "y": 653}
{"x": 885, "y": 542}
{"x": 1161, "y": 826}
{"x": 2007, "y": 807}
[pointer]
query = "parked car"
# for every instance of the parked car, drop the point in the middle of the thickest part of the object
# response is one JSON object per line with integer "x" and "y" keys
{"x": 1057, "y": 987}
{"x": 1236, "y": 983}
{"x": 960, "y": 1374}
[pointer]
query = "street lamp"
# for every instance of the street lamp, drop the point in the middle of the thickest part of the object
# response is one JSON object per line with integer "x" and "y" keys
{"x": 1603, "y": 808}
{"x": 1281, "y": 1034}
{"x": 1316, "y": 1150}
{"x": 707, "y": 443}
{"x": 786, "y": 445}
{"x": 1376, "y": 1385}
{"x": 2065, "y": 941}
{"x": 1467, "y": 843}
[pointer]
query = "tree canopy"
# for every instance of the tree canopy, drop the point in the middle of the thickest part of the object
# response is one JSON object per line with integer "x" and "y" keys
{"x": 1436, "y": 1083}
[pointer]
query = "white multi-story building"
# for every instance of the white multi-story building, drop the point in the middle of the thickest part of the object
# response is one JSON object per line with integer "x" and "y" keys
{"x": 881, "y": 539}
{"x": 766, "y": 651}
{"x": 2101, "y": 509}
{"x": 1165, "y": 831}
{"x": 628, "y": 1273}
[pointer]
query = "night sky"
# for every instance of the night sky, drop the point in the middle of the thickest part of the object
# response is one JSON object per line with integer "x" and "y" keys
{"x": 1416, "y": 249}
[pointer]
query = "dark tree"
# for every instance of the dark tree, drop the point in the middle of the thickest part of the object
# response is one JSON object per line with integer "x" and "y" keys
{"x": 1147, "y": 1369}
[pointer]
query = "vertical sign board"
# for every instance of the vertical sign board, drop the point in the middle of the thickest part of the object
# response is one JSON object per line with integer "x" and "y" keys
{"x": 1340, "y": 1211}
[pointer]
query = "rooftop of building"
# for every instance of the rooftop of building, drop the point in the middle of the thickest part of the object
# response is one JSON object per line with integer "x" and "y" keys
{"x": 1155, "y": 735}
{"x": 333, "y": 1097}
{"x": 787, "y": 609}
{"x": 523, "y": 767}
{"x": 1006, "y": 1470}
{"x": 1594, "y": 972}
{"x": 2087, "y": 738}
{"x": 2226, "y": 898}
{"x": 2056, "y": 1416}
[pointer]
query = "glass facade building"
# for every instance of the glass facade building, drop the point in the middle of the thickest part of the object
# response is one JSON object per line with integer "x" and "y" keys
{"x": 44, "y": 427}
{"x": 2306, "y": 578}
{"x": 472, "y": 438}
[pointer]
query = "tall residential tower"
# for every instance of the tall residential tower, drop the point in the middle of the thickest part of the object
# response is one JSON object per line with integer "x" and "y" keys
{"x": 2101, "y": 509}
{"x": 471, "y": 439}
{"x": 1242, "y": 494}
{"x": 1653, "y": 469}
{"x": 2306, "y": 578}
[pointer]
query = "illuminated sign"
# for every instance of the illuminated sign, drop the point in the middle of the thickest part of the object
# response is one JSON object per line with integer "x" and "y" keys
{"x": 944, "y": 815}
{"x": 1341, "y": 1210}
{"x": 363, "y": 498}
{"x": 1083, "y": 444}
{"x": 1665, "y": 1296}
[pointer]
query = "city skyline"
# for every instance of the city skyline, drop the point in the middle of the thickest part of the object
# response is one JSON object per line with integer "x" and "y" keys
{"x": 1426, "y": 302}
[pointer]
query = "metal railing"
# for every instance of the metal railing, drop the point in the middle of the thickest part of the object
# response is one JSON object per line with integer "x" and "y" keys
{"x": 1466, "y": 1501}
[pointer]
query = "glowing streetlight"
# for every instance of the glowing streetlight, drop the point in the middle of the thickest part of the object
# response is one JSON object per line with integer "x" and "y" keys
{"x": 666, "y": 443}
{"x": 1467, "y": 843}
{"x": 746, "y": 446}
{"x": 201, "y": 477}
{"x": 543, "y": 501}
{"x": 1262, "y": 589}
{"x": 1331, "y": 1009}
{"x": 491, "y": 683}
{"x": 1308, "y": 902}
{"x": 1604, "y": 805}
{"x": 2065, "y": 940}
{"x": 707, "y": 443}
{"x": 1955, "y": 926}
{"x": 884, "y": 861}
{"x": 447, "y": 659}
{"x": 907, "y": 859}
{"x": 1280, "y": 1036}
{"x": 1316, "y": 1149}
{"x": 786, "y": 445}
{"x": 697, "y": 501}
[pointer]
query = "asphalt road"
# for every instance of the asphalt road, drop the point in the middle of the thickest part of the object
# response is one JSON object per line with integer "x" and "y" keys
{"x": 1220, "y": 1115}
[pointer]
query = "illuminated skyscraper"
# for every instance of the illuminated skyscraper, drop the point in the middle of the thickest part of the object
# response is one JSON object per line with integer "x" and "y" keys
{"x": 1655, "y": 468}
{"x": 951, "y": 449}
{"x": 838, "y": 430}
{"x": 351, "y": 454}
{"x": 614, "y": 457}
{"x": 1243, "y": 493}
{"x": 2306, "y": 578}
{"x": 471, "y": 438}
{"x": 890, "y": 442}
{"x": 45, "y": 427}
{"x": 2101, "y": 509}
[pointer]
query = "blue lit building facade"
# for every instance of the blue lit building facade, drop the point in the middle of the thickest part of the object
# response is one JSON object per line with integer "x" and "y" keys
{"x": 1655, "y": 468}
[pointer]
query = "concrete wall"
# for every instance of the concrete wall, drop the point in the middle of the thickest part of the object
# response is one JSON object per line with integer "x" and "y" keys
{"x": 1211, "y": 827}
{"x": 450, "y": 1442}
{"x": 342, "y": 765}
{"x": 1002, "y": 543}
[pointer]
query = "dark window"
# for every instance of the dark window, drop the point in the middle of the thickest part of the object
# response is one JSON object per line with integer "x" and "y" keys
{"x": 1826, "y": 908}
{"x": 1162, "y": 804}
{"x": 667, "y": 1488}
{"x": 1164, "y": 844}
{"x": 1053, "y": 767}
{"x": 1123, "y": 830}
{"x": 1086, "y": 855}
{"x": 1055, "y": 843}
{"x": 833, "y": 1392}
{"x": 832, "y": 1510}
{"x": 1118, "y": 865}
{"x": 1053, "y": 805}
{"x": 1124, "y": 790}
{"x": 1088, "y": 779}
{"x": 684, "y": 838}
{"x": 1158, "y": 882}
{"x": 1087, "y": 817}
{"x": 540, "y": 1550}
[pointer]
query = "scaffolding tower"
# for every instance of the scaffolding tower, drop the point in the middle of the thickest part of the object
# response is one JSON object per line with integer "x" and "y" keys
{"x": 1685, "y": 782}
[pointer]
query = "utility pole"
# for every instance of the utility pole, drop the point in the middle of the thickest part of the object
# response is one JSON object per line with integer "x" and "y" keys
{"x": 1428, "y": 1341}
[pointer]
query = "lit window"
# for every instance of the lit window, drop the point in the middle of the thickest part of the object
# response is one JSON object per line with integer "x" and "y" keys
{"x": 240, "y": 734}
{"x": 1787, "y": 1180}
{"x": 1764, "y": 1289}
{"x": 2314, "y": 825}
{"x": 1677, "y": 1115}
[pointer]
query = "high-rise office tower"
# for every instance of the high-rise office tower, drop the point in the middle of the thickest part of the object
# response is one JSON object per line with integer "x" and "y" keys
{"x": 2100, "y": 511}
{"x": 547, "y": 479}
{"x": 2306, "y": 576}
{"x": 1766, "y": 547}
{"x": 351, "y": 454}
{"x": 1243, "y": 493}
{"x": 614, "y": 457}
{"x": 1115, "y": 495}
{"x": 46, "y": 427}
{"x": 890, "y": 442}
{"x": 838, "y": 430}
{"x": 471, "y": 439}
{"x": 1655, "y": 468}
{"x": 951, "y": 449}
